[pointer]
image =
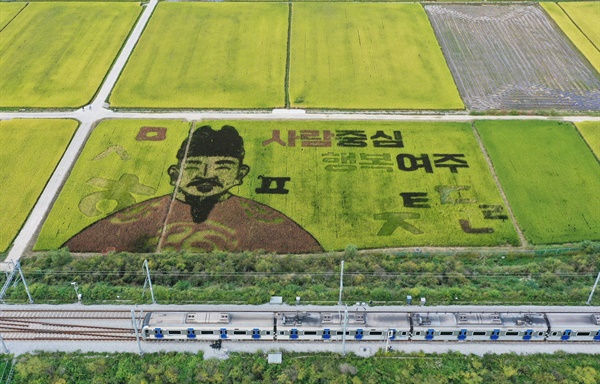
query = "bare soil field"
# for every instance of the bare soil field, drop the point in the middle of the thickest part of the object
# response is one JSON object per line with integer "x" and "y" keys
{"x": 495, "y": 67}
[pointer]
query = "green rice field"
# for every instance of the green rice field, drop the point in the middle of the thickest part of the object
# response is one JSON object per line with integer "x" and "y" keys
{"x": 208, "y": 55}
{"x": 119, "y": 165}
{"x": 577, "y": 22}
{"x": 55, "y": 55}
{"x": 29, "y": 152}
{"x": 346, "y": 184}
{"x": 8, "y": 11}
{"x": 367, "y": 56}
{"x": 586, "y": 15}
{"x": 550, "y": 177}
{"x": 590, "y": 130}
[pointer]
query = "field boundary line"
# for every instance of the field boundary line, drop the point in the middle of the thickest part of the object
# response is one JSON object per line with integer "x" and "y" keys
{"x": 123, "y": 57}
{"x": 14, "y": 17}
{"x": 492, "y": 170}
{"x": 176, "y": 188}
{"x": 578, "y": 130}
{"x": 576, "y": 26}
{"x": 288, "y": 58}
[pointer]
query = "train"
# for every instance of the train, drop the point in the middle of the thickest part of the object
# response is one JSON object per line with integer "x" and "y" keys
{"x": 370, "y": 325}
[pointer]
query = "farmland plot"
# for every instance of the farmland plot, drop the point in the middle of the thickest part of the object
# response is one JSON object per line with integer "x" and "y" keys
{"x": 590, "y": 130}
{"x": 300, "y": 187}
{"x": 29, "y": 152}
{"x": 123, "y": 162}
{"x": 586, "y": 15}
{"x": 56, "y": 55}
{"x": 550, "y": 177}
{"x": 578, "y": 25}
{"x": 8, "y": 11}
{"x": 495, "y": 67}
{"x": 208, "y": 55}
{"x": 342, "y": 58}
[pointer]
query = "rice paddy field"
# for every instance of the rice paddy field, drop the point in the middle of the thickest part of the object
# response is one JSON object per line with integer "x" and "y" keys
{"x": 55, "y": 55}
{"x": 8, "y": 11}
{"x": 367, "y": 56}
{"x": 512, "y": 57}
{"x": 123, "y": 162}
{"x": 550, "y": 177}
{"x": 208, "y": 55}
{"x": 29, "y": 151}
{"x": 579, "y": 21}
{"x": 372, "y": 184}
{"x": 586, "y": 15}
{"x": 590, "y": 130}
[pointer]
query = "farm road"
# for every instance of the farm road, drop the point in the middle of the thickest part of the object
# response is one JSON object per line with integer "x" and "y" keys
{"x": 98, "y": 110}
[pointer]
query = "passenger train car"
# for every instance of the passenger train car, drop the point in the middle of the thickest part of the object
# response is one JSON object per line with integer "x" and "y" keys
{"x": 371, "y": 325}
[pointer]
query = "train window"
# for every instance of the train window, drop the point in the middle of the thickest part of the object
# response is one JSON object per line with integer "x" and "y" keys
{"x": 479, "y": 333}
{"x": 445, "y": 333}
{"x": 310, "y": 332}
{"x": 239, "y": 332}
{"x": 512, "y": 333}
{"x": 375, "y": 333}
{"x": 268, "y": 332}
{"x": 540, "y": 333}
{"x": 206, "y": 332}
{"x": 583, "y": 333}
{"x": 174, "y": 332}
{"x": 418, "y": 333}
{"x": 281, "y": 332}
{"x": 554, "y": 333}
{"x": 403, "y": 333}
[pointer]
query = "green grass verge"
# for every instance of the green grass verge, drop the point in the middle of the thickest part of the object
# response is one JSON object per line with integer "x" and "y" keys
{"x": 8, "y": 11}
{"x": 114, "y": 167}
{"x": 342, "y": 58}
{"x": 203, "y": 55}
{"x": 549, "y": 276}
{"x": 550, "y": 177}
{"x": 590, "y": 130}
{"x": 56, "y": 55}
{"x": 29, "y": 152}
{"x": 585, "y": 15}
{"x": 579, "y": 39}
{"x": 394, "y": 367}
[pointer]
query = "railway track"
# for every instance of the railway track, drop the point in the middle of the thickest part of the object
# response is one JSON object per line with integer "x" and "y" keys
{"x": 67, "y": 325}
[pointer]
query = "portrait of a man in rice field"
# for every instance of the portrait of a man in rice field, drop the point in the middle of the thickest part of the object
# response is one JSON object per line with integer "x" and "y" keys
{"x": 202, "y": 214}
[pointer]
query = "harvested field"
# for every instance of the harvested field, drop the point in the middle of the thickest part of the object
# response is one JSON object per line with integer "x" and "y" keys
{"x": 550, "y": 177}
{"x": 29, "y": 152}
{"x": 55, "y": 55}
{"x": 123, "y": 162}
{"x": 8, "y": 11}
{"x": 208, "y": 55}
{"x": 590, "y": 130}
{"x": 367, "y": 56}
{"x": 495, "y": 67}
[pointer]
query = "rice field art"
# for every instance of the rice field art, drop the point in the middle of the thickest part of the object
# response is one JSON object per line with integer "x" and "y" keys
{"x": 277, "y": 186}
{"x": 513, "y": 57}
